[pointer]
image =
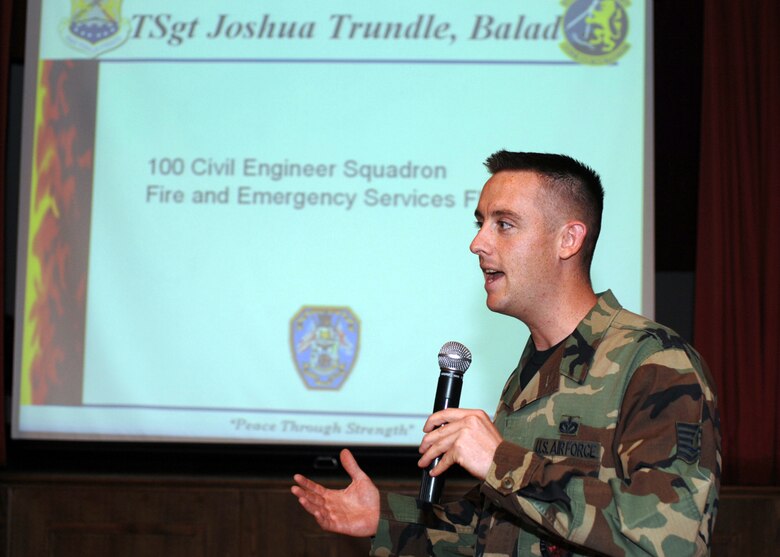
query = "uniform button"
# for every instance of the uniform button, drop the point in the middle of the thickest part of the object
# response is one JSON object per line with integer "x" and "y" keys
{"x": 507, "y": 483}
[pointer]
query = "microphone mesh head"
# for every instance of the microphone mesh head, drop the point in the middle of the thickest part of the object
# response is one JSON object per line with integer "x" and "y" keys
{"x": 454, "y": 357}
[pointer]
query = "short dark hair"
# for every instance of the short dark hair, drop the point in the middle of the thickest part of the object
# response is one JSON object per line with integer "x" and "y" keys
{"x": 565, "y": 179}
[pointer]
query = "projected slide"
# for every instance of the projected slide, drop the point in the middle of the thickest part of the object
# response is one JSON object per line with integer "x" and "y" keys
{"x": 249, "y": 222}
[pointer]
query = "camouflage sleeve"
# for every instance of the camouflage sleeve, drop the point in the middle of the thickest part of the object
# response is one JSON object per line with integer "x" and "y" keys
{"x": 409, "y": 527}
{"x": 655, "y": 490}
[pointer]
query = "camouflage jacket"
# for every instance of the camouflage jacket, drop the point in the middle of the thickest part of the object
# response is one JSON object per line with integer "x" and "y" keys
{"x": 613, "y": 448}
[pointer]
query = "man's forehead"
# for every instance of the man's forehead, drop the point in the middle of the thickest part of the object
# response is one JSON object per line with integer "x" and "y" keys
{"x": 508, "y": 187}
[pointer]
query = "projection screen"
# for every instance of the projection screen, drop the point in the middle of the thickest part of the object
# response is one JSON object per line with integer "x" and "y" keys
{"x": 249, "y": 221}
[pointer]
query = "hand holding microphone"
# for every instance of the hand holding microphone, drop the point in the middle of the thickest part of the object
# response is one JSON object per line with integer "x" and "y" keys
{"x": 469, "y": 439}
{"x": 454, "y": 360}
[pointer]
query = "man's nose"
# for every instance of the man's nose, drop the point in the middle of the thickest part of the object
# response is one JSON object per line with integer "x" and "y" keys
{"x": 479, "y": 243}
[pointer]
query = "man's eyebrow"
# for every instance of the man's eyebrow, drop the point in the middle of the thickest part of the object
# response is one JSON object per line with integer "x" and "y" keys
{"x": 499, "y": 213}
{"x": 505, "y": 213}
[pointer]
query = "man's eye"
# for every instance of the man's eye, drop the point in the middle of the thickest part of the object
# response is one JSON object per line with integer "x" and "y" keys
{"x": 502, "y": 225}
{"x": 478, "y": 224}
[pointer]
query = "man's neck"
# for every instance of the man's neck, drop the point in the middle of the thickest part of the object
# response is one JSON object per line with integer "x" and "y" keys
{"x": 561, "y": 317}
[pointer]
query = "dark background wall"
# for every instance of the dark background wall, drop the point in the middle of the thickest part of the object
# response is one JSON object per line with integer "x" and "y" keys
{"x": 678, "y": 62}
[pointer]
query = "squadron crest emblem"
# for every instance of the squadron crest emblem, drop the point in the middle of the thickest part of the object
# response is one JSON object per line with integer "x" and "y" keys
{"x": 95, "y": 26}
{"x": 324, "y": 343}
{"x": 595, "y": 30}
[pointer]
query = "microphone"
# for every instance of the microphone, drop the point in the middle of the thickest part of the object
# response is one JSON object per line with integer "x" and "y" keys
{"x": 454, "y": 360}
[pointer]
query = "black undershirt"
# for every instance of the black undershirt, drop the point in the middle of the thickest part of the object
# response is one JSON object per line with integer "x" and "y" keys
{"x": 534, "y": 363}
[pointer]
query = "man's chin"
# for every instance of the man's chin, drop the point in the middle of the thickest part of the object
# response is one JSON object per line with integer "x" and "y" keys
{"x": 494, "y": 305}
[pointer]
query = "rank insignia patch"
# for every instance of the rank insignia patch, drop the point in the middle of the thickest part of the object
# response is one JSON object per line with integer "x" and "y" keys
{"x": 324, "y": 343}
{"x": 688, "y": 442}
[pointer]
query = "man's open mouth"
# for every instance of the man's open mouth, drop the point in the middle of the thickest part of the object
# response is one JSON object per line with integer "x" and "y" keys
{"x": 492, "y": 275}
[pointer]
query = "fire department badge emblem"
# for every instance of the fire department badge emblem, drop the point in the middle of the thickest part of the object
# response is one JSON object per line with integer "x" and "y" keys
{"x": 324, "y": 342}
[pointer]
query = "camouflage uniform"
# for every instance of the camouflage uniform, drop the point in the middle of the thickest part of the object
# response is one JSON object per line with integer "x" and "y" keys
{"x": 613, "y": 446}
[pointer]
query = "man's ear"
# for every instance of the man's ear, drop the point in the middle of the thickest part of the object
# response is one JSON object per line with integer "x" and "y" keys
{"x": 572, "y": 238}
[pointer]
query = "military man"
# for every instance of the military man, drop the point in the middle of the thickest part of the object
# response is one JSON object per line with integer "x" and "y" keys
{"x": 605, "y": 440}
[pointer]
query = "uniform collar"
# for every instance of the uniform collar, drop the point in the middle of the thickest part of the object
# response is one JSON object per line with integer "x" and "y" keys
{"x": 573, "y": 358}
{"x": 581, "y": 345}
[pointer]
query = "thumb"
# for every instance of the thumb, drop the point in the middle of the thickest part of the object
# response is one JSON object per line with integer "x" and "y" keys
{"x": 350, "y": 465}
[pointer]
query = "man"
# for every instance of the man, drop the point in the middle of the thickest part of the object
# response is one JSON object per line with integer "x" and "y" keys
{"x": 605, "y": 441}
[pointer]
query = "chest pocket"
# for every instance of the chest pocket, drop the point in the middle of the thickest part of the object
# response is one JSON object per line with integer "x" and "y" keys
{"x": 537, "y": 419}
{"x": 553, "y": 435}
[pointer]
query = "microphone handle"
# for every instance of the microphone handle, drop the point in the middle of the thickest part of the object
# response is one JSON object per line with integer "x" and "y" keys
{"x": 447, "y": 396}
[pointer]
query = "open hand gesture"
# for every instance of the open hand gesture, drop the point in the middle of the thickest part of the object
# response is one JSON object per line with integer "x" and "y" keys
{"x": 353, "y": 511}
